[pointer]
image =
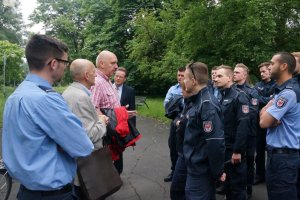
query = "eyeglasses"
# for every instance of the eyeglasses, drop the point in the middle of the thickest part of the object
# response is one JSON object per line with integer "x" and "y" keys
{"x": 66, "y": 62}
{"x": 191, "y": 67}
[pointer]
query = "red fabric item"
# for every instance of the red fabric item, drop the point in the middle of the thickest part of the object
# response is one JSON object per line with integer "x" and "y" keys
{"x": 122, "y": 118}
{"x": 115, "y": 150}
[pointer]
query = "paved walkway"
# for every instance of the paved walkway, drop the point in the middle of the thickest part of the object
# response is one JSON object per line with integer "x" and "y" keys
{"x": 147, "y": 164}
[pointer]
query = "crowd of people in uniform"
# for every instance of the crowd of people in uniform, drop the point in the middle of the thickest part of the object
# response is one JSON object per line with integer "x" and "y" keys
{"x": 222, "y": 128}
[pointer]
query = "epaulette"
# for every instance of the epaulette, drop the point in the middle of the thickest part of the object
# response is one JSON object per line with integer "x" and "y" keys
{"x": 46, "y": 89}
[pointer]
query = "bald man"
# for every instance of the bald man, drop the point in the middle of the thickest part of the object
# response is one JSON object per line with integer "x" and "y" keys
{"x": 104, "y": 94}
{"x": 77, "y": 95}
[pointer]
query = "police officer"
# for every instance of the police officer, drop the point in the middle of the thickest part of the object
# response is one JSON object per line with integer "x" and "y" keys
{"x": 203, "y": 147}
{"x": 297, "y": 78}
{"x": 174, "y": 91}
{"x": 235, "y": 107}
{"x": 265, "y": 89}
{"x": 177, "y": 190}
{"x": 240, "y": 77}
{"x": 281, "y": 116}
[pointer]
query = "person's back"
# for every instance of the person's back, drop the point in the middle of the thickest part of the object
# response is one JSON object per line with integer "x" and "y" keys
{"x": 41, "y": 137}
{"x": 203, "y": 146}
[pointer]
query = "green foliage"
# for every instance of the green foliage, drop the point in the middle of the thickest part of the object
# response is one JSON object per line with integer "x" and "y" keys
{"x": 3, "y": 98}
{"x": 10, "y": 23}
{"x": 153, "y": 38}
{"x": 12, "y": 55}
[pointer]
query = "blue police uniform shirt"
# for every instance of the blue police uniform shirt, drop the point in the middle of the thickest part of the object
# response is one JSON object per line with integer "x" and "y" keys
{"x": 287, "y": 111}
{"x": 174, "y": 90}
{"x": 41, "y": 137}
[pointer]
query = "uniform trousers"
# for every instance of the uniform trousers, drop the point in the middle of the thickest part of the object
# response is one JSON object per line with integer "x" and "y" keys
{"x": 172, "y": 145}
{"x": 281, "y": 175}
{"x": 200, "y": 187}
{"x": 298, "y": 182}
{"x": 177, "y": 191}
{"x": 236, "y": 179}
{"x": 251, "y": 140}
{"x": 260, "y": 154}
{"x": 26, "y": 194}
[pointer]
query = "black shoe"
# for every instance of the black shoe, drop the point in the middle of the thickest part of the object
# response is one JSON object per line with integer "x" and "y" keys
{"x": 249, "y": 192}
{"x": 221, "y": 190}
{"x": 169, "y": 177}
{"x": 258, "y": 181}
{"x": 249, "y": 196}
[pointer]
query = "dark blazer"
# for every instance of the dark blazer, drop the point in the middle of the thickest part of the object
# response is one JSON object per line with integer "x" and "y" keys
{"x": 128, "y": 98}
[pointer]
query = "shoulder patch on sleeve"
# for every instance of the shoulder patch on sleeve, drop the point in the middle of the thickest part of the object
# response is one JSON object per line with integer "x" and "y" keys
{"x": 281, "y": 102}
{"x": 207, "y": 126}
{"x": 245, "y": 109}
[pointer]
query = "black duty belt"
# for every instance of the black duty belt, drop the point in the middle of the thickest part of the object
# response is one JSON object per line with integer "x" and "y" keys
{"x": 282, "y": 151}
{"x": 65, "y": 189}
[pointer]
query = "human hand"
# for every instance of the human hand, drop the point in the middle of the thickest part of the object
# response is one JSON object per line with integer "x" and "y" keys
{"x": 104, "y": 118}
{"x": 236, "y": 158}
{"x": 223, "y": 177}
{"x": 131, "y": 113}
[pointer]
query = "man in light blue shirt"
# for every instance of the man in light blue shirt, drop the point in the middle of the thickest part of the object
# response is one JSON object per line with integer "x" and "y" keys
{"x": 41, "y": 136}
{"x": 174, "y": 91}
{"x": 281, "y": 116}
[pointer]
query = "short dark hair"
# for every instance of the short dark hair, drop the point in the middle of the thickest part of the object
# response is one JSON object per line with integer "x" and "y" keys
{"x": 181, "y": 69}
{"x": 289, "y": 59}
{"x": 42, "y": 47}
{"x": 122, "y": 69}
{"x": 267, "y": 64}
{"x": 200, "y": 72}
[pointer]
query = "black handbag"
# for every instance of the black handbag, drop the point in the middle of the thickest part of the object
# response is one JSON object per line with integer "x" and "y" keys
{"x": 97, "y": 175}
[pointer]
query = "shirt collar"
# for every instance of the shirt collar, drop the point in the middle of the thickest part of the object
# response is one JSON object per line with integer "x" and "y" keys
{"x": 85, "y": 89}
{"x": 118, "y": 87}
{"x": 100, "y": 73}
{"x": 286, "y": 84}
{"x": 38, "y": 80}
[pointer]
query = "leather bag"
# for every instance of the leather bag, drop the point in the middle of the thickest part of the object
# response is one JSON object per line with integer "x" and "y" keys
{"x": 97, "y": 175}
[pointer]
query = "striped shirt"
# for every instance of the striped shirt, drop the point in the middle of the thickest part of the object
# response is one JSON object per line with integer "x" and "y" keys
{"x": 104, "y": 95}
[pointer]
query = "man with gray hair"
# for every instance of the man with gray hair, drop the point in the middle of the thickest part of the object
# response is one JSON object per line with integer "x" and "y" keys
{"x": 77, "y": 95}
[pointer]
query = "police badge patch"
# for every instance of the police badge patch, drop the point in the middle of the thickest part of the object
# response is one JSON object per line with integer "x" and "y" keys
{"x": 245, "y": 109}
{"x": 281, "y": 102}
{"x": 254, "y": 101}
{"x": 207, "y": 126}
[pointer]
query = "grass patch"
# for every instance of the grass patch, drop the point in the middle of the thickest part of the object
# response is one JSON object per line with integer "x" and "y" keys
{"x": 156, "y": 109}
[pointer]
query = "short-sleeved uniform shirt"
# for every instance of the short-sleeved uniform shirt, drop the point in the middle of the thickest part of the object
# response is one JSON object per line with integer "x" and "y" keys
{"x": 286, "y": 109}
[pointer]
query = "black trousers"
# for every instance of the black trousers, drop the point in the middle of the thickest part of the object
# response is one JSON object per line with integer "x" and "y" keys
{"x": 236, "y": 178}
{"x": 119, "y": 163}
{"x": 260, "y": 153}
{"x": 251, "y": 141}
{"x": 25, "y": 194}
{"x": 172, "y": 145}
